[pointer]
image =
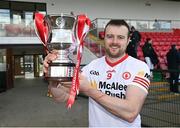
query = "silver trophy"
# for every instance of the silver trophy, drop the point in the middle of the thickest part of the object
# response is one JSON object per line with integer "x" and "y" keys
{"x": 57, "y": 33}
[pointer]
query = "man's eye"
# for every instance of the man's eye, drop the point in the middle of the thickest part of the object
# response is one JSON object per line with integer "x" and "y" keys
{"x": 109, "y": 36}
{"x": 121, "y": 37}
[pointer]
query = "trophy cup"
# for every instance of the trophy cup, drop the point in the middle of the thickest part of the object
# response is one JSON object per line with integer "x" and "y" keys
{"x": 61, "y": 39}
{"x": 64, "y": 34}
{"x": 57, "y": 33}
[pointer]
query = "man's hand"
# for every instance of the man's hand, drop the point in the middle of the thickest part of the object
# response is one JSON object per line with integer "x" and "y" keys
{"x": 60, "y": 91}
{"x": 85, "y": 85}
{"x": 49, "y": 58}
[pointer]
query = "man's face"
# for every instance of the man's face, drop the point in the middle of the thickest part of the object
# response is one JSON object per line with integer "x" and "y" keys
{"x": 150, "y": 41}
{"x": 116, "y": 41}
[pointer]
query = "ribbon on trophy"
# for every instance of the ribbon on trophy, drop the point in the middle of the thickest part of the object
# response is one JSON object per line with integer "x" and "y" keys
{"x": 41, "y": 29}
{"x": 82, "y": 28}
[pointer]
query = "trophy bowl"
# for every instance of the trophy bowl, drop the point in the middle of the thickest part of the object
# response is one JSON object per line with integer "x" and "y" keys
{"x": 61, "y": 39}
{"x": 63, "y": 34}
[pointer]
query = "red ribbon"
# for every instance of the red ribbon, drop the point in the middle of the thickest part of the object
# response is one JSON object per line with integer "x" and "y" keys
{"x": 41, "y": 29}
{"x": 82, "y": 28}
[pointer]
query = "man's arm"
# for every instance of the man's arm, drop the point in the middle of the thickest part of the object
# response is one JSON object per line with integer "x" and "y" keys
{"x": 127, "y": 109}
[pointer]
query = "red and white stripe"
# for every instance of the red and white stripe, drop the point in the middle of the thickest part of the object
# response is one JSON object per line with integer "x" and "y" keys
{"x": 82, "y": 28}
{"x": 142, "y": 82}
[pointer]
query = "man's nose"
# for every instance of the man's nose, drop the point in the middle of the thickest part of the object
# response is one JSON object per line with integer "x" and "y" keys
{"x": 115, "y": 40}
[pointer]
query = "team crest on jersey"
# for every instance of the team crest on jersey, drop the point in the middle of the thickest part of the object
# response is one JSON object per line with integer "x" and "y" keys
{"x": 126, "y": 75}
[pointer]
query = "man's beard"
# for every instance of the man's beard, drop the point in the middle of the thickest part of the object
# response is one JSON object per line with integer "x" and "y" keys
{"x": 110, "y": 54}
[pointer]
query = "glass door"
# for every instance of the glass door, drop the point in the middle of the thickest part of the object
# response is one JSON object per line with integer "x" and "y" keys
{"x": 29, "y": 66}
{"x": 38, "y": 65}
{"x": 19, "y": 66}
{"x": 2, "y": 70}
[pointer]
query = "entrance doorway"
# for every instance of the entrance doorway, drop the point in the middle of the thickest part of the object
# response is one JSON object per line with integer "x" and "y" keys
{"x": 28, "y": 66}
{"x": 19, "y": 66}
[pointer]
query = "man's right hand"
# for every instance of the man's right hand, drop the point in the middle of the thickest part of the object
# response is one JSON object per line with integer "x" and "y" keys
{"x": 59, "y": 91}
{"x": 49, "y": 58}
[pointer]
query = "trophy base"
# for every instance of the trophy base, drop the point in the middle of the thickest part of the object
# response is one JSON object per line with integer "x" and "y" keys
{"x": 61, "y": 72}
{"x": 59, "y": 79}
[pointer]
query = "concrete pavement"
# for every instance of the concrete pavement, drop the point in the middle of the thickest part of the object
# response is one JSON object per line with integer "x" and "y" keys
{"x": 26, "y": 105}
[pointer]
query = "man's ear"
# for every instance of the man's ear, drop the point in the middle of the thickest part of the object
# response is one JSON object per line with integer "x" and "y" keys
{"x": 128, "y": 40}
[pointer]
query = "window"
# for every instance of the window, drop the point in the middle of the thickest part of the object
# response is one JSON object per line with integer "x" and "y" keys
{"x": 4, "y": 16}
{"x": 17, "y": 18}
{"x": 28, "y": 18}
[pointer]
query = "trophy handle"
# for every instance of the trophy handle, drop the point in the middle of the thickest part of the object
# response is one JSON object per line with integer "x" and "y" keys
{"x": 47, "y": 22}
{"x": 41, "y": 29}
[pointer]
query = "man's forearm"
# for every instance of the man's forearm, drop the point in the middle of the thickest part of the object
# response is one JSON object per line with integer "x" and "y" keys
{"x": 119, "y": 107}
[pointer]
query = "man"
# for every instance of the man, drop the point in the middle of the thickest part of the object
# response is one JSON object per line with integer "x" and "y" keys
{"x": 134, "y": 42}
{"x": 156, "y": 24}
{"x": 173, "y": 60}
{"x": 116, "y": 84}
{"x": 150, "y": 55}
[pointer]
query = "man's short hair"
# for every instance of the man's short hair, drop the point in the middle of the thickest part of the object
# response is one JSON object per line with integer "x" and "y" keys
{"x": 173, "y": 46}
{"x": 118, "y": 22}
{"x": 148, "y": 39}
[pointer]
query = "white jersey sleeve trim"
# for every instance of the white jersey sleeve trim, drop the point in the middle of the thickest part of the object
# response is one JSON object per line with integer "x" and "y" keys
{"x": 141, "y": 87}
